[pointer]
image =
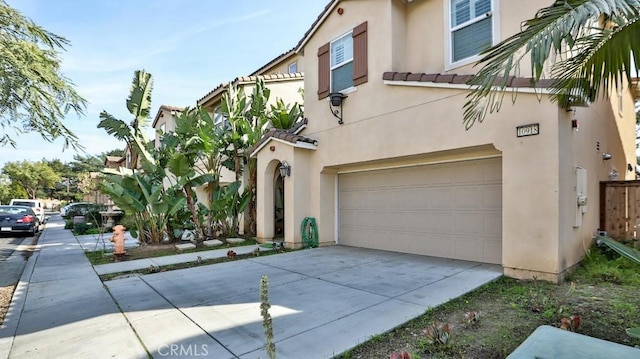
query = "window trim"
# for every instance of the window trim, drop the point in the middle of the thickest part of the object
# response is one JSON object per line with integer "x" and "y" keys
{"x": 448, "y": 33}
{"x": 331, "y": 68}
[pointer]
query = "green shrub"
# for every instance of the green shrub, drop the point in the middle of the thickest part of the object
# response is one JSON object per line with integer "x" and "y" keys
{"x": 80, "y": 228}
{"x": 94, "y": 217}
{"x": 68, "y": 224}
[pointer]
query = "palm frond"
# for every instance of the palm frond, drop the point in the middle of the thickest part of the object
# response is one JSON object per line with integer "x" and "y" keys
{"x": 603, "y": 60}
{"x": 544, "y": 38}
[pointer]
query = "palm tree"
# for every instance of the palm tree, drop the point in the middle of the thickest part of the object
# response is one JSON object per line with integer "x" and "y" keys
{"x": 591, "y": 42}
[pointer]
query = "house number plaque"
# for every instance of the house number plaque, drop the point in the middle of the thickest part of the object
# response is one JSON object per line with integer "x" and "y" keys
{"x": 528, "y": 130}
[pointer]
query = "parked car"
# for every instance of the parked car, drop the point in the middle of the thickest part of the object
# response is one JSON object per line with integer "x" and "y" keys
{"x": 79, "y": 209}
{"x": 36, "y": 205}
{"x": 64, "y": 210}
{"x": 18, "y": 219}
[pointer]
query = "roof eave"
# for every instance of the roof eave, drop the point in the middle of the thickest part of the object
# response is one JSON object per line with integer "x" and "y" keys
{"x": 316, "y": 25}
{"x": 298, "y": 144}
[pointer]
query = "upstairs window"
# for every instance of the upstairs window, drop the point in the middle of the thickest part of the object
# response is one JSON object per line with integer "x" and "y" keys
{"x": 219, "y": 120}
{"x": 342, "y": 63}
{"x": 471, "y": 28}
{"x": 293, "y": 67}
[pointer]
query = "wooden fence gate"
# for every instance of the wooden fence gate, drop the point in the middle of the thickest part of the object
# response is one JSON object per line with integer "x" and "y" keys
{"x": 620, "y": 209}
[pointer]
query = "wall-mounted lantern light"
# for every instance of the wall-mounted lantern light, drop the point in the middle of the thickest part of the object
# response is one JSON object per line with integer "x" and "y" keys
{"x": 285, "y": 169}
{"x": 335, "y": 102}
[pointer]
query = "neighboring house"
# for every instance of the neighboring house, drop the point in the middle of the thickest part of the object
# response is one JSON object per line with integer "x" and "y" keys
{"x": 284, "y": 86}
{"x": 282, "y": 75}
{"x": 165, "y": 121}
{"x": 402, "y": 174}
{"x": 114, "y": 162}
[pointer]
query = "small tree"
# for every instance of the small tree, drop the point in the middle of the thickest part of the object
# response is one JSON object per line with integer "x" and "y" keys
{"x": 34, "y": 95}
{"x": 33, "y": 177}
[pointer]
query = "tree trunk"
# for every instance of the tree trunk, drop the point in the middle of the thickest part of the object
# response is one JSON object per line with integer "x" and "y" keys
{"x": 194, "y": 214}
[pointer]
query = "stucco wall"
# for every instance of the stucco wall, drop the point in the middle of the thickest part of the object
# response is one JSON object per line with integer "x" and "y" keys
{"x": 426, "y": 30}
{"x": 401, "y": 123}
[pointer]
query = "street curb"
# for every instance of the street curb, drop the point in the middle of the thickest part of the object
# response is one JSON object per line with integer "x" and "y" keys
{"x": 10, "y": 325}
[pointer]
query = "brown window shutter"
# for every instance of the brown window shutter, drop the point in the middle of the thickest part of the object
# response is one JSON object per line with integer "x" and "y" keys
{"x": 360, "y": 67}
{"x": 324, "y": 71}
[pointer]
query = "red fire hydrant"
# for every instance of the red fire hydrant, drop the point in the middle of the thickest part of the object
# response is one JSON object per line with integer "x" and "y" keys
{"x": 118, "y": 241}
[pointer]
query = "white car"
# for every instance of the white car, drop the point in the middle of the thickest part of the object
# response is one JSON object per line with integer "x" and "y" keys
{"x": 36, "y": 206}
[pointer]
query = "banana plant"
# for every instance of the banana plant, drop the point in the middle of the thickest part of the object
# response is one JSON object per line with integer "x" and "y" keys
{"x": 227, "y": 205}
{"x": 284, "y": 116}
{"x": 138, "y": 104}
{"x": 138, "y": 193}
{"x": 184, "y": 149}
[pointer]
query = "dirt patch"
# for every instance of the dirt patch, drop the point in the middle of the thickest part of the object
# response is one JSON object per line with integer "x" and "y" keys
{"x": 6, "y": 293}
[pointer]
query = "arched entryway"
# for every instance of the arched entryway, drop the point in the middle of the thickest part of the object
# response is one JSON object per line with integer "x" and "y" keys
{"x": 278, "y": 205}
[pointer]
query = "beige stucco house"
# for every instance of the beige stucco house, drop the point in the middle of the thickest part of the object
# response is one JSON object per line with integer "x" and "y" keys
{"x": 284, "y": 78}
{"x": 401, "y": 173}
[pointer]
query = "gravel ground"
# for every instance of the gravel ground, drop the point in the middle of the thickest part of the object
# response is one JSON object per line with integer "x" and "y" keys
{"x": 5, "y": 300}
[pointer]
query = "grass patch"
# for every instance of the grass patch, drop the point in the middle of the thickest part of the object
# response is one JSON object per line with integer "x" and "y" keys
{"x": 602, "y": 291}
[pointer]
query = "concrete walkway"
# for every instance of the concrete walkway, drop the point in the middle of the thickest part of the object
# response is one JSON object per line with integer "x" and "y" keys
{"x": 323, "y": 301}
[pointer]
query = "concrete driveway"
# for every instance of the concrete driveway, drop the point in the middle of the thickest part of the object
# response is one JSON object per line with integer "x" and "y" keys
{"x": 323, "y": 301}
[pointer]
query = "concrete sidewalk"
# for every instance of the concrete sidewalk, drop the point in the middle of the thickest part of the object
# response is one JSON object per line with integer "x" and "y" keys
{"x": 61, "y": 309}
{"x": 323, "y": 301}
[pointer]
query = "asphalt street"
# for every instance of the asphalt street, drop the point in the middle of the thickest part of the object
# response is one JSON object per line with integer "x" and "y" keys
{"x": 8, "y": 245}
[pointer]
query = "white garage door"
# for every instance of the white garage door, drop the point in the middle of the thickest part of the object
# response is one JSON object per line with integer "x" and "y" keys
{"x": 451, "y": 210}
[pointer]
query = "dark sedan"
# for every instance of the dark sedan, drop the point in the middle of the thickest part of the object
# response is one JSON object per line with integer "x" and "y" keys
{"x": 18, "y": 219}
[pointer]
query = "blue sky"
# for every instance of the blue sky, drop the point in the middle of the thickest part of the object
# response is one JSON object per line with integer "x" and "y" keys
{"x": 189, "y": 46}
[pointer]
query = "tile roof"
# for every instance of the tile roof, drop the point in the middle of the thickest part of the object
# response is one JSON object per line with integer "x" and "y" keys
{"x": 249, "y": 79}
{"x": 456, "y": 79}
{"x": 290, "y": 135}
{"x": 273, "y": 62}
{"x": 172, "y": 108}
{"x": 114, "y": 159}
{"x": 316, "y": 24}
{"x": 159, "y": 114}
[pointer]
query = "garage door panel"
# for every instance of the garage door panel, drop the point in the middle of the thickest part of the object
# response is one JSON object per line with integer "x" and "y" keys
{"x": 437, "y": 175}
{"x": 349, "y": 218}
{"x": 492, "y": 224}
{"x": 492, "y": 197}
{"x": 440, "y": 222}
{"x": 469, "y": 223}
{"x": 439, "y": 198}
{"x": 451, "y": 210}
{"x": 492, "y": 171}
{"x": 469, "y": 248}
{"x": 469, "y": 197}
{"x": 492, "y": 251}
{"x": 469, "y": 173}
